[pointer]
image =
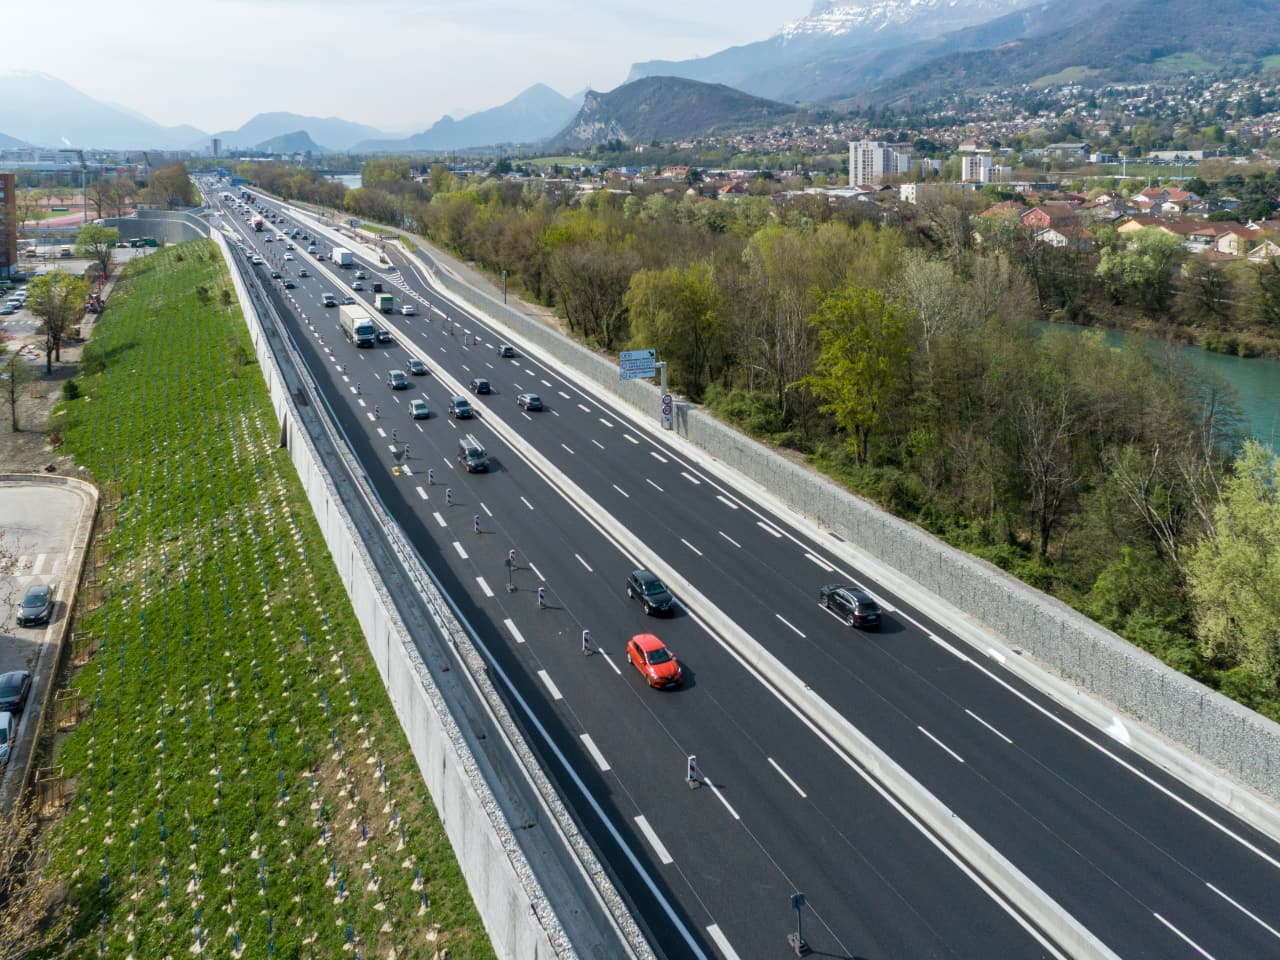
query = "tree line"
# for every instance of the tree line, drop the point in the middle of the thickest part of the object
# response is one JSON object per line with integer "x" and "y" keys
{"x": 902, "y": 353}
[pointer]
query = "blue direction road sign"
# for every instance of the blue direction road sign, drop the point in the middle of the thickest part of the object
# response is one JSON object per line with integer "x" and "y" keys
{"x": 637, "y": 364}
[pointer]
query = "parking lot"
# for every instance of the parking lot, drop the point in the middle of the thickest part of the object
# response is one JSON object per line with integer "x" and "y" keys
{"x": 45, "y": 525}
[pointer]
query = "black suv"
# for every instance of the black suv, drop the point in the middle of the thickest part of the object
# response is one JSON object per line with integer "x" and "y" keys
{"x": 479, "y": 385}
{"x": 459, "y": 408}
{"x": 654, "y": 596}
{"x": 855, "y": 607}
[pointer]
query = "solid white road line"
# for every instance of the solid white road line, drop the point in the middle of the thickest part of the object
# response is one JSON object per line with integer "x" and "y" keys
{"x": 621, "y": 491}
{"x": 462, "y": 551}
{"x": 691, "y": 478}
{"x": 555, "y": 692}
{"x": 652, "y": 484}
{"x": 659, "y": 457}
{"x": 592, "y": 749}
{"x": 723, "y": 499}
{"x": 722, "y": 942}
{"x": 488, "y": 591}
{"x": 958, "y": 758}
{"x": 1258, "y": 920}
{"x": 789, "y": 624}
{"x": 439, "y": 519}
{"x": 691, "y": 546}
{"x": 584, "y": 563}
{"x": 654, "y": 842}
{"x": 422, "y": 493}
{"x": 730, "y": 539}
{"x": 782, "y": 773}
{"x": 989, "y": 726}
{"x": 510, "y": 625}
{"x": 1191, "y": 943}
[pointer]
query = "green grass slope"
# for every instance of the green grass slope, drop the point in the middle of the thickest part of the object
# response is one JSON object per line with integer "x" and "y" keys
{"x": 241, "y": 786}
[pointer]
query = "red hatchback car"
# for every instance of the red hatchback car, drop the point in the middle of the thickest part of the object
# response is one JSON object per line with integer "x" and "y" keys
{"x": 655, "y": 662}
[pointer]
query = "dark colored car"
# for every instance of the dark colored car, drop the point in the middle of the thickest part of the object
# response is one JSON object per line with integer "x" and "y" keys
{"x": 479, "y": 385}
{"x": 417, "y": 367}
{"x": 855, "y": 607}
{"x": 275, "y": 274}
{"x": 382, "y": 335}
{"x": 460, "y": 408}
{"x": 506, "y": 350}
{"x": 377, "y": 287}
{"x": 14, "y": 687}
{"x": 289, "y": 284}
{"x": 653, "y": 594}
{"x": 37, "y": 605}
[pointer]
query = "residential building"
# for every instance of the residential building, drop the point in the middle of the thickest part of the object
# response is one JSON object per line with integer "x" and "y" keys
{"x": 870, "y": 161}
{"x": 8, "y": 224}
{"x": 976, "y": 167}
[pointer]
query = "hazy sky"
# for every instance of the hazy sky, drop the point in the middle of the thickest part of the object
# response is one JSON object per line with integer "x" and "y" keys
{"x": 396, "y": 64}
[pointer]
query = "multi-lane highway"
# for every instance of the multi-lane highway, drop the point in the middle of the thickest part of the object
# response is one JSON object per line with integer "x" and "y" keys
{"x": 1151, "y": 868}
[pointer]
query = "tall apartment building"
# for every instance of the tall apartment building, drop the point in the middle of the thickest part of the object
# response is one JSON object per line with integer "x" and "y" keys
{"x": 8, "y": 224}
{"x": 870, "y": 161}
{"x": 976, "y": 167}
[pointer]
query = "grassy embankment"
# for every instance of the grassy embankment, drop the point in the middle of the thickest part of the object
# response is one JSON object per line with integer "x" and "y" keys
{"x": 240, "y": 784}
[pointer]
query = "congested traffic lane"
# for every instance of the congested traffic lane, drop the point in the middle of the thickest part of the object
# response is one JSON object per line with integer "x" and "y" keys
{"x": 1126, "y": 853}
{"x": 737, "y": 850}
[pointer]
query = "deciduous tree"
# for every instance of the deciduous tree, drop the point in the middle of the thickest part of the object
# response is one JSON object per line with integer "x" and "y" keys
{"x": 97, "y": 242}
{"x": 1234, "y": 573}
{"x": 58, "y": 300}
{"x": 16, "y": 374}
{"x": 677, "y": 312}
{"x": 862, "y": 362}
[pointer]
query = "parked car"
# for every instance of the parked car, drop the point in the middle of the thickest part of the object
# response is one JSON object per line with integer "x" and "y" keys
{"x": 418, "y": 409}
{"x": 14, "y": 689}
{"x": 8, "y": 734}
{"x": 529, "y": 401}
{"x": 37, "y": 605}
{"x": 656, "y": 663}
{"x": 653, "y": 595}
{"x": 855, "y": 607}
{"x": 417, "y": 367}
{"x": 479, "y": 385}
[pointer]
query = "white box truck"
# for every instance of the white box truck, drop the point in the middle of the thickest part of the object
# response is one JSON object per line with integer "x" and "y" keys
{"x": 342, "y": 256}
{"x": 357, "y": 326}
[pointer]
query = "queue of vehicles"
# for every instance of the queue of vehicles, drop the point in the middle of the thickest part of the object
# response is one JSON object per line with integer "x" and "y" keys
{"x": 646, "y": 652}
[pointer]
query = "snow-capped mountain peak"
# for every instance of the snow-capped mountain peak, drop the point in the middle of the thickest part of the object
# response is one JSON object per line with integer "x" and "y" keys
{"x": 835, "y": 18}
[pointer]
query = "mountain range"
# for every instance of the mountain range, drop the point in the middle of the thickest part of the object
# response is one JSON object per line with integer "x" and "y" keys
{"x": 534, "y": 115}
{"x": 834, "y": 50}
{"x": 845, "y": 53}
{"x": 666, "y": 108}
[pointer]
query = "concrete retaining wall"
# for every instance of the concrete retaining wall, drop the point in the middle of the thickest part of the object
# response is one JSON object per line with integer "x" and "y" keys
{"x": 167, "y": 226}
{"x": 516, "y": 914}
{"x": 1231, "y": 738}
